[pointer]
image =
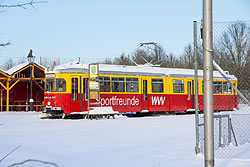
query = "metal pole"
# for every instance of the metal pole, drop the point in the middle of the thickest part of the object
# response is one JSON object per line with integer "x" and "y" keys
{"x": 229, "y": 130}
{"x": 208, "y": 82}
{"x": 197, "y": 147}
{"x": 31, "y": 99}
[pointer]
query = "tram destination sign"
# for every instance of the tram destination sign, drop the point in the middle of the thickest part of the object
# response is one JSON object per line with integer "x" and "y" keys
{"x": 93, "y": 71}
{"x": 50, "y": 75}
{"x": 93, "y": 85}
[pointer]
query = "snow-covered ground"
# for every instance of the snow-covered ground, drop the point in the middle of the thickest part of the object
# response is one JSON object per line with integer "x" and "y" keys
{"x": 121, "y": 142}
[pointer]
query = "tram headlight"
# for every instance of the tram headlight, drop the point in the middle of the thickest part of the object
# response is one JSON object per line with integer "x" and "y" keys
{"x": 49, "y": 103}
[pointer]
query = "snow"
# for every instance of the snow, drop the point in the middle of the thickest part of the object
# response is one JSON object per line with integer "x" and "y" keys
{"x": 18, "y": 67}
{"x": 124, "y": 142}
{"x": 102, "y": 111}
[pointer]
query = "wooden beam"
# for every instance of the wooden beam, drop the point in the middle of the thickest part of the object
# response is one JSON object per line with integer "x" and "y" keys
{"x": 21, "y": 70}
{"x": 3, "y": 85}
{"x": 39, "y": 67}
{"x": 33, "y": 71}
{"x": 39, "y": 85}
{"x": 7, "y": 98}
{"x": 27, "y": 79}
{"x": 14, "y": 84}
{"x": 5, "y": 74}
{"x": 1, "y": 99}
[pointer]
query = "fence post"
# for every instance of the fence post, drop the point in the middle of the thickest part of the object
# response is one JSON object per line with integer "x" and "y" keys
{"x": 229, "y": 130}
{"x": 197, "y": 147}
{"x": 220, "y": 141}
{"x": 207, "y": 34}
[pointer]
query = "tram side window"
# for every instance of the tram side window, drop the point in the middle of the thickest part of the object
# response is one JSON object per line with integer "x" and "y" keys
{"x": 61, "y": 85}
{"x": 217, "y": 87}
{"x": 227, "y": 89}
{"x": 74, "y": 88}
{"x": 118, "y": 84}
{"x": 132, "y": 85}
{"x": 56, "y": 85}
{"x": 104, "y": 84}
{"x": 178, "y": 86}
{"x": 49, "y": 85}
{"x": 157, "y": 85}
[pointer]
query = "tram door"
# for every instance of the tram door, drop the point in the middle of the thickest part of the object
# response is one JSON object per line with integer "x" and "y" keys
{"x": 85, "y": 94}
{"x": 234, "y": 96}
{"x": 144, "y": 100}
{"x": 190, "y": 94}
{"x": 75, "y": 99}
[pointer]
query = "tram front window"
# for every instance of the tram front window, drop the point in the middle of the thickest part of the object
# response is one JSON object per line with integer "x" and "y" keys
{"x": 56, "y": 85}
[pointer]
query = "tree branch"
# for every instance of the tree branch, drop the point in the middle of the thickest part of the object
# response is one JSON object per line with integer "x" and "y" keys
{"x": 22, "y": 5}
{"x": 5, "y": 44}
{"x": 10, "y": 153}
{"x": 34, "y": 160}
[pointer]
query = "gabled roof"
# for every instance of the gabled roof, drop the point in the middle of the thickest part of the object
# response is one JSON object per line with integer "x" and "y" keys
{"x": 3, "y": 74}
{"x": 20, "y": 67}
{"x": 17, "y": 68}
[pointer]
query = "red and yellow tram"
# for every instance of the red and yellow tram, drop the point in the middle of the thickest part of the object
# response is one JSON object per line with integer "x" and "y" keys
{"x": 133, "y": 89}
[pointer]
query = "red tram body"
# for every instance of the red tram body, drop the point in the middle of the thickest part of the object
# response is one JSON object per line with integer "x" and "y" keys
{"x": 133, "y": 89}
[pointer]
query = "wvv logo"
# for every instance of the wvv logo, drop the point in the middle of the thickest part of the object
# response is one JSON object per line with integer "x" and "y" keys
{"x": 156, "y": 100}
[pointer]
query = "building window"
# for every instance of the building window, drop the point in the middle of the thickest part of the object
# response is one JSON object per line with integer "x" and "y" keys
{"x": 157, "y": 85}
{"x": 118, "y": 84}
{"x": 132, "y": 85}
{"x": 104, "y": 84}
{"x": 178, "y": 86}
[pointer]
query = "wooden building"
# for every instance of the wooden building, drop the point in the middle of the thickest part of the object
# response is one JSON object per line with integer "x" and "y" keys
{"x": 15, "y": 87}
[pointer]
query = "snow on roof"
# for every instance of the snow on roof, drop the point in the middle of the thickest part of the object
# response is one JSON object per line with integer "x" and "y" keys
{"x": 18, "y": 67}
{"x": 3, "y": 71}
{"x": 76, "y": 67}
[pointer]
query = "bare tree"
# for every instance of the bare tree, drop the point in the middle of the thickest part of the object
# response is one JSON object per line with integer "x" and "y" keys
{"x": 9, "y": 64}
{"x": 33, "y": 160}
{"x": 160, "y": 54}
{"x": 142, "y": 56}
{"x": 122, "y": 60}
{"x": 235, "y": 44}
{"x": 4, "y": 44}
{"x": 22, "y": 5}
{"x": 232, "y": 52}
{"x": 22, "y": 60}
{"x": 170, "y": 61}
{"x": 107, "y": 61}
{"x": 19, "y": 5}
{"x": 187, "y": 58}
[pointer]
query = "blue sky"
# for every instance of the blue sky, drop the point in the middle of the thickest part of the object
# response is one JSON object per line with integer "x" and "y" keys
{"x": 95, "y": 29}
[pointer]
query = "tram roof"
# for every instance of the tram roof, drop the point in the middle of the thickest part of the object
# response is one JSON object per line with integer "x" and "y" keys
{"x": 141, "y": 70}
